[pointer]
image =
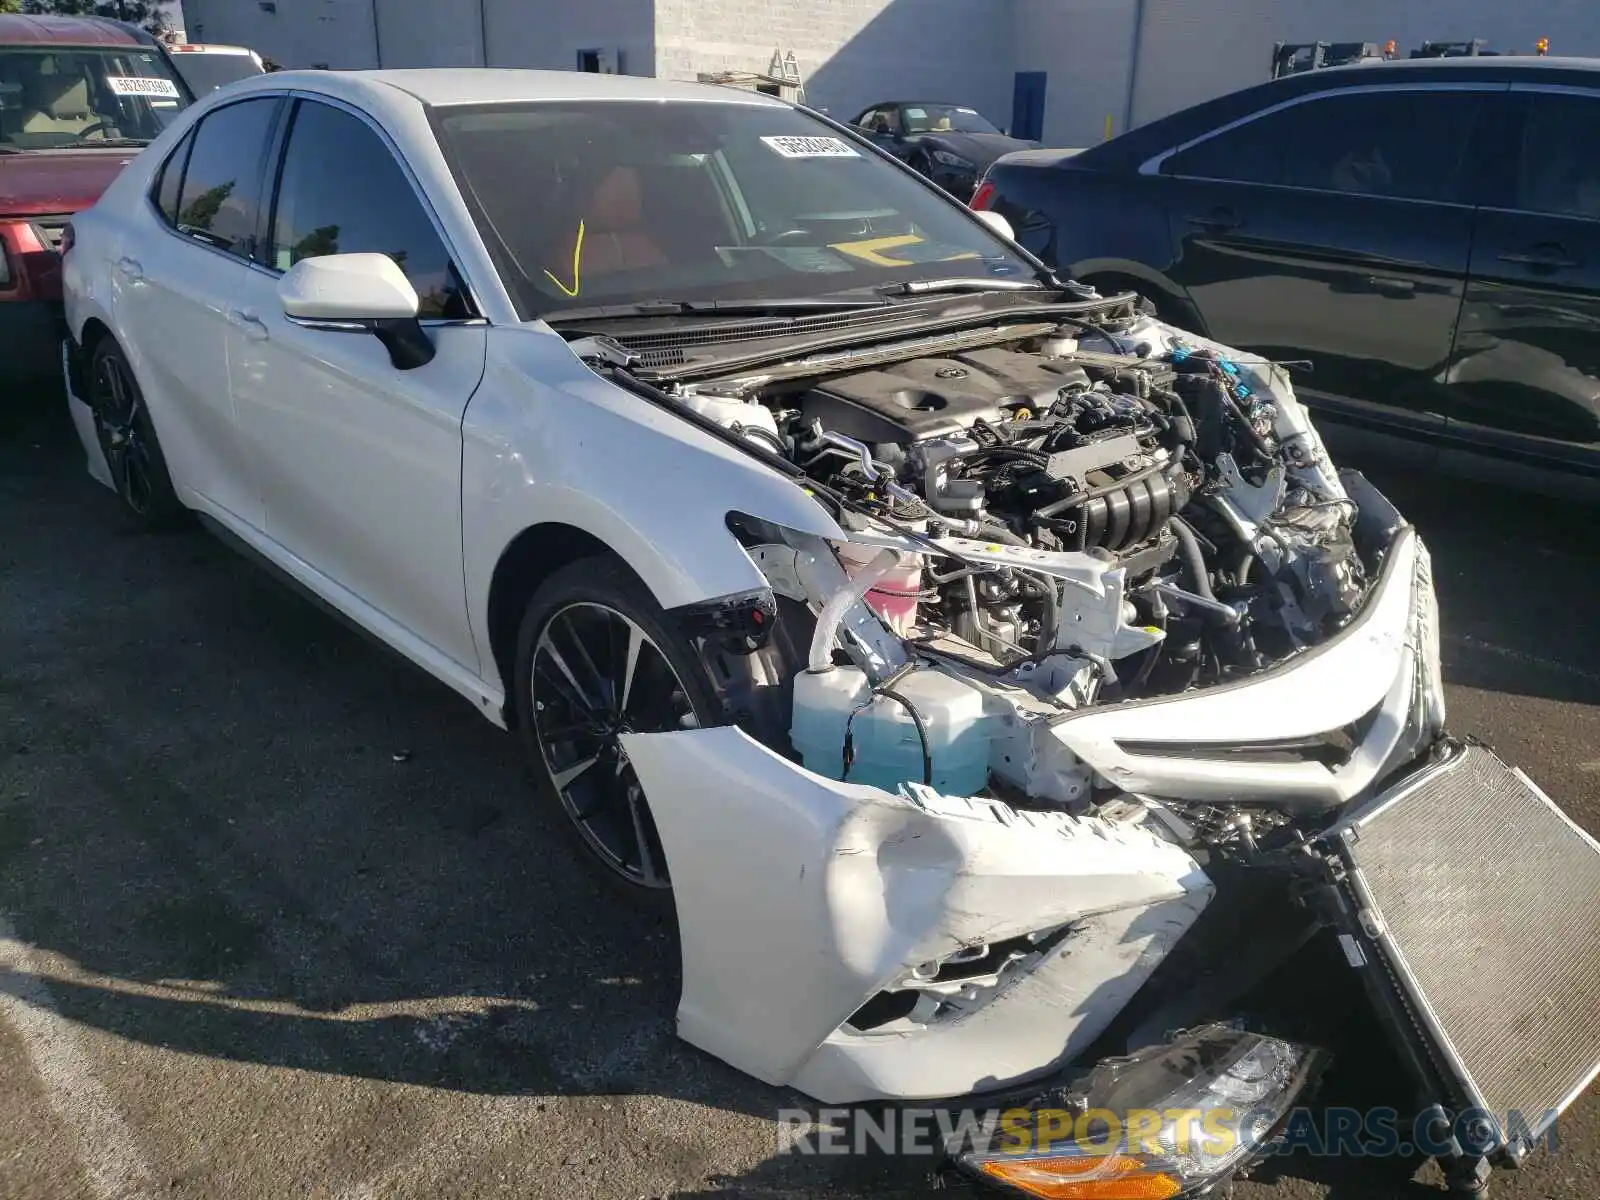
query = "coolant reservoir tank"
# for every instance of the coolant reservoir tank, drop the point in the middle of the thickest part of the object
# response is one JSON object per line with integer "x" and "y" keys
{"x": 893, "y": 597}
{"x": 887, "y": 749}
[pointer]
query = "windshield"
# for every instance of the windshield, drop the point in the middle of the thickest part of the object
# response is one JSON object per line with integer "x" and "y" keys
{"x": 205, "y": 73}
{"x": 60, "y": 96}
{"x": 944, "y": 118}
{"x": 619, "y": 202}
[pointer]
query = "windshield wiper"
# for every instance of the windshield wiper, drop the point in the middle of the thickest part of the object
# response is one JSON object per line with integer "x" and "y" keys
{"x": 110, "y": 144}
{"x": 964, "y": 283}
{"x": 778, "y": 306}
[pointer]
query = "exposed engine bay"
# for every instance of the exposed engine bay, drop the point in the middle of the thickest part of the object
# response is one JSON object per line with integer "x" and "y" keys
{"x": 1197, "y": 476}
{"x": 1107, "y": 662}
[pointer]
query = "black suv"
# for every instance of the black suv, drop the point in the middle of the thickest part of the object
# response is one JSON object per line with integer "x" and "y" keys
{"x": 1426, "y": 232}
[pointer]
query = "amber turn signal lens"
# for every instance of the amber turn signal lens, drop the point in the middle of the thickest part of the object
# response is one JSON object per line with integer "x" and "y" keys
{"x": 1084, "y": 1177}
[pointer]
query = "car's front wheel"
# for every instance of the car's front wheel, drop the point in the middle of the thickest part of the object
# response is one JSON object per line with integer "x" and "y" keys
{"x": 128, "y": 439}
{"x": 597, "y": 657}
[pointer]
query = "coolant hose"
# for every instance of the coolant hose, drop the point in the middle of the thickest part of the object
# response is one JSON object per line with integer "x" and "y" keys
{"x": 1193, "y": 559}
{"x": 839, "y": 603}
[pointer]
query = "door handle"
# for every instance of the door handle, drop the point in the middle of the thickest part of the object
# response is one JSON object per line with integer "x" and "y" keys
{"x": 1391, "y": 287}
{"x": 254, "y": 327}
{"x": 1542, "y": 258}
{"x": 1217, "y": 220}
{"x": 132, "y": 268}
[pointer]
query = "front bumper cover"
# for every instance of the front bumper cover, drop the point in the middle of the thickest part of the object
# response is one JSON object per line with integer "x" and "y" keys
{"x": 801, "y": 900}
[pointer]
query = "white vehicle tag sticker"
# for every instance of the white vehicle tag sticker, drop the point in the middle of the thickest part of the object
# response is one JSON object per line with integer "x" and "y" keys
{"x": 810, "y": 147}
{"x": 141, "y": 85}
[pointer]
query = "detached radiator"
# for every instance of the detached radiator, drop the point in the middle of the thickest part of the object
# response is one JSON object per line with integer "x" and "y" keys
{"x": 1482, "y": 901}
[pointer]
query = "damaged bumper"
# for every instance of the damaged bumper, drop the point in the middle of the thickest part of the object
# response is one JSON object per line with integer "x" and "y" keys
{"x": 1000, "y": 942}
{"x": 1308, "y": 736}
{"x": 926, "y": 946}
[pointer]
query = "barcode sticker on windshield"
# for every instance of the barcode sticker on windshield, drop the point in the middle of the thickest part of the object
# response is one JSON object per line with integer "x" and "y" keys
{"x": 811, "y": 147}
{"x": 141, "y": 85}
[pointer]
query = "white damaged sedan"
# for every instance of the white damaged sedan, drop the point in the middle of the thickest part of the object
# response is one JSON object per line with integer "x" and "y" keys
{"x": 988, "y": 677}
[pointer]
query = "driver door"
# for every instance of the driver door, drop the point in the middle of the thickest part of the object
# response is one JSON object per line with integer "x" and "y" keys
{"x": 360, "y": 462}
{"x": 882, "y": 125}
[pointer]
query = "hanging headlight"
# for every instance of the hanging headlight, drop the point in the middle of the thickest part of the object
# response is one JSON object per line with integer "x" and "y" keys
{"x": 1172, "y": 1121}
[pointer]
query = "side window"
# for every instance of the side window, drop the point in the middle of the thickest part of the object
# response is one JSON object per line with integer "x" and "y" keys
{"x": 217, "y": 202}
{"x": 342, "y": 192}
{"x": 1248, "y": 153}
{"x": 1408, "y": 144}
{"x": 171, "y": 179}
{"x": 1557, "y": 172}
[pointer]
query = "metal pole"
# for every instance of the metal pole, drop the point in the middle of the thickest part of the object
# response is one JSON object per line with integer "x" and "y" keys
{"x": 377, "y": 38}
{"x": 1133, "y": 65}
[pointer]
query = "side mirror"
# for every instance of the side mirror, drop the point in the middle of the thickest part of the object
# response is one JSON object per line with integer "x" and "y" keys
{"x": 997, "y": 223}
{"x": 358, "y": 293}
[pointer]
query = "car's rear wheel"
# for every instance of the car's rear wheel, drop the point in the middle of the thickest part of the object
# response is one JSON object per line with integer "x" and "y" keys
{"x": 597, "y": 657}
{"x": 128, "y": 439}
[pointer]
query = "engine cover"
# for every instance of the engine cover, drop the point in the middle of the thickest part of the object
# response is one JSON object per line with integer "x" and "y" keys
{"x": 938, "y": 397}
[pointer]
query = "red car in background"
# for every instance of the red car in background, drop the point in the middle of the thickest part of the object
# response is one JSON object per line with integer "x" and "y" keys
{"x": 79, "y": 97}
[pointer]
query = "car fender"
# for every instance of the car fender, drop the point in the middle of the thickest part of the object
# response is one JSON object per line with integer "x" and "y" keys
{"x": 547, "y": 440}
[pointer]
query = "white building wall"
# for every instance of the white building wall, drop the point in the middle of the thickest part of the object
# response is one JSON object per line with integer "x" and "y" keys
{"x": 298, "y": 34}
{"x": 349, "y": 34}
{"x": 851, "y": 53}
{"x": 1085, "y": 47}
{"x": 430, "y": 33}
{"x": 547, "y": 34}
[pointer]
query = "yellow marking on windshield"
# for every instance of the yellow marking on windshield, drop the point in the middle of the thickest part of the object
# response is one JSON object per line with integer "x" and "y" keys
{"x": 577, "y": 259}
{"x": 872, "y": 250}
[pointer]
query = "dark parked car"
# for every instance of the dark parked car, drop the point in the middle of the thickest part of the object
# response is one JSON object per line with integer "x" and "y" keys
{"x": 1426, "y": 232}
{"x": 949, "y": 143}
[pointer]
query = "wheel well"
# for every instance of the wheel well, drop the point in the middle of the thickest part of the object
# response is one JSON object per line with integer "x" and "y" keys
{"x": 531, "y": 558}
{"x": 93, "y": 330}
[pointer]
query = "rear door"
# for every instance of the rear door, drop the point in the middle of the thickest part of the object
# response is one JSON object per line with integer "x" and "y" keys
{"x": 1336, "y": 228}
{"x": 175, "y": 287}
{"x": 1525, "y": 376}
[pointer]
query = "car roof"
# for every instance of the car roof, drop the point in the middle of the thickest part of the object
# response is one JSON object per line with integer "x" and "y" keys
{"x": 446, "y": 86}
{"x": 1127, "y": 151}
{"x": 18, "y": 29}
{"x": 1468, "y": 62}
{"x": 208, "y": 48}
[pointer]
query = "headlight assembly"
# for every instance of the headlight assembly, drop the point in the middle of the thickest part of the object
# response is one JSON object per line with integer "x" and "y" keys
{"x": 953, "y": 160}
{"x": 1171, "y": 1121}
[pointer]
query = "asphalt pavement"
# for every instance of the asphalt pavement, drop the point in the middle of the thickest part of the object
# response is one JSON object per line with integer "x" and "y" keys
{"x": 277, "y": 918}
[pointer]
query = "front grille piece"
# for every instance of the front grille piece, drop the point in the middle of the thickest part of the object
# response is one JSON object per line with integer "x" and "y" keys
{"x": 1483, "y": 900}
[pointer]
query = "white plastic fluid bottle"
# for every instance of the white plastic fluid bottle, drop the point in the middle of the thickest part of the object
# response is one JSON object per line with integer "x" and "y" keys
{"x": 887, "y": 748}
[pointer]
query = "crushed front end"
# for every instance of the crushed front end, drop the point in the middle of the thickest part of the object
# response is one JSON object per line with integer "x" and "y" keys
{"x": 1105, "y": 633}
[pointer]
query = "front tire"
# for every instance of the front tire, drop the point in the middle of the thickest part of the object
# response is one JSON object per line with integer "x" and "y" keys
{"x": 128, "y": 440}
{"x": 598, "y": 657}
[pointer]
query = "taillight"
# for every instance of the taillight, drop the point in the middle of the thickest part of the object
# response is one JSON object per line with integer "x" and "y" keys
{"x": 982, "y": 198}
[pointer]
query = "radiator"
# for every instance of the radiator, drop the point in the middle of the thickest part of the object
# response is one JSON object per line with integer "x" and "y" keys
{"x": 1482, "y": 901}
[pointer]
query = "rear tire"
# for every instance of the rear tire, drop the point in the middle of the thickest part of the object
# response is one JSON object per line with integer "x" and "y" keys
{"x": 128, "y": 440}
{"x": 598, "y": 657}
